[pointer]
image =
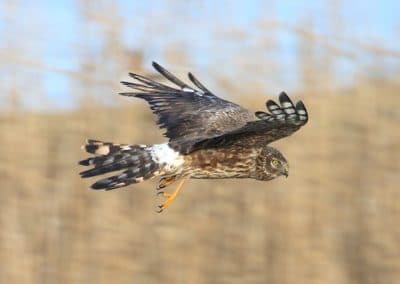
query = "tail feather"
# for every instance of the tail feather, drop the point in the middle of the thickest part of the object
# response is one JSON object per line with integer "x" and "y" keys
{"x": 104, "y": 148}
{"x": 125, "y": 178}
{"x": 111, "y": 163}
{"x": 136, "y": 161}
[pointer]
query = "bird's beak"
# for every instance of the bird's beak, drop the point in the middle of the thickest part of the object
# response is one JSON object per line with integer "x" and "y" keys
{"x": 285, "y": 170}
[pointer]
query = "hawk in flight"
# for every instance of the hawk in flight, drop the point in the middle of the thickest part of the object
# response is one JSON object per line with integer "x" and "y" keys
{"x": 209, "y": 138}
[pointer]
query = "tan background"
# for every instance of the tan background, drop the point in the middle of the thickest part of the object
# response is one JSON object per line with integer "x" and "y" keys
{"x": 334, "y": 220}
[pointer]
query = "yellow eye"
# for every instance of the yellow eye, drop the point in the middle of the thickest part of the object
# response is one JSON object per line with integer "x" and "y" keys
{"x": 275, "y": 163}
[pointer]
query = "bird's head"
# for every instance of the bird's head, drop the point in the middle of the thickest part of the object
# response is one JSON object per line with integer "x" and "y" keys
{"x": 271, "y": 164}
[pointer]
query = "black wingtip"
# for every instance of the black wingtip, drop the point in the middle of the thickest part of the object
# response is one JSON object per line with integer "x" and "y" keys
{"x": 169, "y": 76}
{"x": 191, "y": 76}
{"x": 300, "y": 106}
{"x": 302, "y": 111}
{"x": 157, "y": 66}
{"x": 283, "y": 97}
{"x": 127, "y": 94}
{"x": 197, "y": 83}
{"x": 132, "y": 85}
{"x": 271, "y": 103}
{"x": 132, "y": 75}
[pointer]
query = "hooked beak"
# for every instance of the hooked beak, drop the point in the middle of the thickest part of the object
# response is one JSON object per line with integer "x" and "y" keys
{"x": 285, "y": 171}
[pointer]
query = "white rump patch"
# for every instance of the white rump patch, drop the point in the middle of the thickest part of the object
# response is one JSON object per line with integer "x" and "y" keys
{"x": 163, "y": 154}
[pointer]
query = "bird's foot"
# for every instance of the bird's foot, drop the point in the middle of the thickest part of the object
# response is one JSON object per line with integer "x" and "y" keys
{"x": 166, "y": 181}
{"x": 169, "y": 196}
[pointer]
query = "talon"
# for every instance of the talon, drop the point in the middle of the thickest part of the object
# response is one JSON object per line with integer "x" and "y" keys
{"x": 169, "y": 196}
{"x": 161, "y": 208}
{"x": 166, "y": 181}
{"x": 164, "y": 194}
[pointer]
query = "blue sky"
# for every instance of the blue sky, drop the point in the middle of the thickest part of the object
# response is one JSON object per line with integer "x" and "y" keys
{"x": 51, "y": 34}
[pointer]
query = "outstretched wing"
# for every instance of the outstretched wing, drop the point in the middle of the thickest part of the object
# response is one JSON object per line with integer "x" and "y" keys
{"x": 187, "y": 114}
{"x": 281, "y": 121}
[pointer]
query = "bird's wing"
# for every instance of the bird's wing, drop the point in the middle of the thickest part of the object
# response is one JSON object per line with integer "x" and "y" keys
{"x": 188, "y": 114}
{"x": 282, "y": 120}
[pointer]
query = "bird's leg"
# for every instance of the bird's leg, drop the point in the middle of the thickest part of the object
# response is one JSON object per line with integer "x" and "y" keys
{"x": 166, "y": 181}
{"x": 170, "y": 196}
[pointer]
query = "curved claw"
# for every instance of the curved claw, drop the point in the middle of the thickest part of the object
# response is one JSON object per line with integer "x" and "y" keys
{"x": 170, "y": 196}
{"x": 166, "y": 181}
{"x": 161, "y": 208}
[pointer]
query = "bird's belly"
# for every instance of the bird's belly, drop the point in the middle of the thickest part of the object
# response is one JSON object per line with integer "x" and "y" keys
{"x": 217, "y": 174}
{"x": 218, "y": 164}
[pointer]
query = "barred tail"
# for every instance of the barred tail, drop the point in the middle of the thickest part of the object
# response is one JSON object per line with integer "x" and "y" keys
{"x": 135, "y": 161}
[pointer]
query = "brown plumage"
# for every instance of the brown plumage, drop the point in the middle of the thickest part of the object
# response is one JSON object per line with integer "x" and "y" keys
{"x": 209, "y": 138}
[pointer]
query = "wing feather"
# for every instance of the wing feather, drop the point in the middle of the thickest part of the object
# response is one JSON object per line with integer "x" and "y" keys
{"x": 197, "y": 83}
{"x": 187, "y": 114}
{"x": 283, "y": 120}
{"x": 196, "y": 118}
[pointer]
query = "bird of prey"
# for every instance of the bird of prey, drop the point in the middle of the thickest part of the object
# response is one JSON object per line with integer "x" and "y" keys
{"x": 208, "y": 138}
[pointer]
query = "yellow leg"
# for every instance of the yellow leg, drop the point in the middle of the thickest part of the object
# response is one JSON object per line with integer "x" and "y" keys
{"x": 171, "y": 196}
{"x": 164, "y": 182}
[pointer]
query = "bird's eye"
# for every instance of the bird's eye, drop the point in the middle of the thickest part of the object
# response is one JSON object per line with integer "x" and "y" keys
{"x": 275, "y": 163}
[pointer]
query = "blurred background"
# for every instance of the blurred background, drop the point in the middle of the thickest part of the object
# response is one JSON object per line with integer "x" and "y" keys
{"x": 334, "y": 220}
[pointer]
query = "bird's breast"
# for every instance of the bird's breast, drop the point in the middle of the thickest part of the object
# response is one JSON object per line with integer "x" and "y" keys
{"x": 229, "y": 162}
